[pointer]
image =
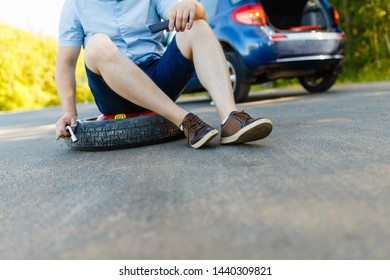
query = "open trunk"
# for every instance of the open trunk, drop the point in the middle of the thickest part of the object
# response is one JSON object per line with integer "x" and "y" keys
{"x": 296, "y": 15}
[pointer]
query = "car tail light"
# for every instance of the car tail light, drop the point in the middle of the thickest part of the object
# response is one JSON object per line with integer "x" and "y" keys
{"x": 336, "y": 17}
{"x": 278, "y": 37}
{"x": 251, "y": 14}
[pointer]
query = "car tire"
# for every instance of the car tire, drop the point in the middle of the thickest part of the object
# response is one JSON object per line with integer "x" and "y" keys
{"x": 318, "y": 83}
{"x": 130, "y": 132}
{"x": 237, "y": 77}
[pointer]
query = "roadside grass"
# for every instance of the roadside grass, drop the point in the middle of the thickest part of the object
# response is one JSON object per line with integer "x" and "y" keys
{"x": 371, "y": 72}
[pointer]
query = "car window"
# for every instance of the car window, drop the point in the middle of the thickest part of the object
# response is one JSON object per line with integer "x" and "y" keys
{"x": 210, "y": 6}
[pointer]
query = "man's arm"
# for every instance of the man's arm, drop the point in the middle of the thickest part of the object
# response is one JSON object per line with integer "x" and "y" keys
{"x": 183, "y": 14}
{"x": 66, "y": 86}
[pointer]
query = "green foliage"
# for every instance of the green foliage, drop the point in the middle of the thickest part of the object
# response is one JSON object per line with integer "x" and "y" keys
{"x": 27, "y": 63}
{"x": 367, "y": 25}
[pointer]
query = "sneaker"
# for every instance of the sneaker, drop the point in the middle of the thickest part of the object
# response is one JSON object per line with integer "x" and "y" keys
{"x": 197, "y": 131}
{"x": 241, "y": 127}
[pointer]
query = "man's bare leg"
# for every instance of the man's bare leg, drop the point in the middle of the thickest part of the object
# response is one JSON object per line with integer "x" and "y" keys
{"x": 125, "y": 78}
{"x": 200, "y": 45}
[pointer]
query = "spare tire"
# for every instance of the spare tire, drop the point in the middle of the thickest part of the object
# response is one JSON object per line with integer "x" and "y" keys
{"x": 133, "y": 131}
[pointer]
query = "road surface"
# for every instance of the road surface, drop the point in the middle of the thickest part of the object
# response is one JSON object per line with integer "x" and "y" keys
{"x": 317, "y": 188}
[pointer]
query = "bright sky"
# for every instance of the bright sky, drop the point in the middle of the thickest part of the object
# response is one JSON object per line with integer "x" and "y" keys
{"x": 39, "y": 16}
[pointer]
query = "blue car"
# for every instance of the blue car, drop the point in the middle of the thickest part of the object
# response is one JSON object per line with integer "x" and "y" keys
{"x": 266, "y": 40}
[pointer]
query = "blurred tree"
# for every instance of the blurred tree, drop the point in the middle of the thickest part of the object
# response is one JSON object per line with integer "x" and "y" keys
{"x": 367, "y": 26}
{"x": 27, "y": 63}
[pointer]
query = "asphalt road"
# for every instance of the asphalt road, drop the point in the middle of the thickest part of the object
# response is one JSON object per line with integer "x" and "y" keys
{"x": 317, "y": 188}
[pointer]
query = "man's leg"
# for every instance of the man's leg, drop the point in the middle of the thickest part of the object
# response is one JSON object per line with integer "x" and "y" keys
{"x": 126, "y": 79}
{"x": 200, "y": 45}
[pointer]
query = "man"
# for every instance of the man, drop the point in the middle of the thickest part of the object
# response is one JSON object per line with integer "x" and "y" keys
{"x": 128, "y": 70}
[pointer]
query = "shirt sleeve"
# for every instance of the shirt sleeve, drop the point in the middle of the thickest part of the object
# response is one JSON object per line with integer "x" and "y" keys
{"x": 71, "y": 32}
{"x": 164, "y": 6}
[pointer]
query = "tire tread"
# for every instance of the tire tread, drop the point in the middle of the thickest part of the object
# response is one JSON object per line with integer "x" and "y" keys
{"x": 123, "y": 133}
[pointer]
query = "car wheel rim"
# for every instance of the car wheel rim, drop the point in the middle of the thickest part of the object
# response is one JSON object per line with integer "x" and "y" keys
{"x": 232, "y": 75}
{"x": 314, "y": 81}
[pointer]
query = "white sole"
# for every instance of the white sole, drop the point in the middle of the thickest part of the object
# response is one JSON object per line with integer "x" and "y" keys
{"x": 255, "y": 131}
{"x": 207, "y": 138}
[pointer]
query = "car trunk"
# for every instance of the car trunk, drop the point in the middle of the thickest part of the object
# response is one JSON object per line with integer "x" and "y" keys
{"x": 296, "y": 15}
{"x": 301, "y": 30}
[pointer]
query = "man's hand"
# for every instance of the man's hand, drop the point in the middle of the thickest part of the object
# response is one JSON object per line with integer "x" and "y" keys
{"x": 183, "y": 14}
{"x": 66, "y": 119}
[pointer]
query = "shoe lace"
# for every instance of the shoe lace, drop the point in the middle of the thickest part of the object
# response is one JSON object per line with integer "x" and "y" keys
{"x": 193, "y": 125}
{"x": 242, "y": 116}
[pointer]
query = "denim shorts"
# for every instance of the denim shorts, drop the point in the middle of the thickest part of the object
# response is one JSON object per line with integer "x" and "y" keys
{"x": 170, "y": 73}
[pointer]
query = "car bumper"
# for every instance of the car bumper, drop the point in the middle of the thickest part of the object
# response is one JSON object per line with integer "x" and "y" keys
{"x": 291, "y": 45}
{"x": 297, "y": 67}
{"x": 273, "y": 48}
{"x": 311, "y": 58}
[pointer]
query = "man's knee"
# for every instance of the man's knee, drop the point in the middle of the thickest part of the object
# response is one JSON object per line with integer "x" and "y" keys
{"x": 99, "y": 46}
{"x": 199, "y": 28}
{"x": 200, "y": 32}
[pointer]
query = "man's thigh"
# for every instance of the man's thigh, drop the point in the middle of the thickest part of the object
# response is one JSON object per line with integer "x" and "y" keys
{"x": 108, "y": 101}
{"x": 172, "y": 72}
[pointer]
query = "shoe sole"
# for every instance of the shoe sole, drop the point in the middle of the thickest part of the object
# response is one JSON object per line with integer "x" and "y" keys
{"x": 205, "y": 139}
{"x": 255, "y": 131}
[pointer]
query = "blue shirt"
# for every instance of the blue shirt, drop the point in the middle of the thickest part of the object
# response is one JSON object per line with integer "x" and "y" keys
{"x": 124, "y": 21}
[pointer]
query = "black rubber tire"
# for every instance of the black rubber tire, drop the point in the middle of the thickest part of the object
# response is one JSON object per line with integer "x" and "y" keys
{"x": 237, "y": 76}
{"x": 318, "y": 83}
{"x": 123, "y": 133}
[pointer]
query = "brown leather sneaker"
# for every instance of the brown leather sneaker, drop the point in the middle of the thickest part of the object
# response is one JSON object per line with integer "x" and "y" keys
{"x": 197, "y": 131}
{"x": 241, "y": 127}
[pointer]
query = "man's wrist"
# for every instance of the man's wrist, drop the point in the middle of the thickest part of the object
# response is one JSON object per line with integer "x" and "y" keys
{"x": 71, "y": 112}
